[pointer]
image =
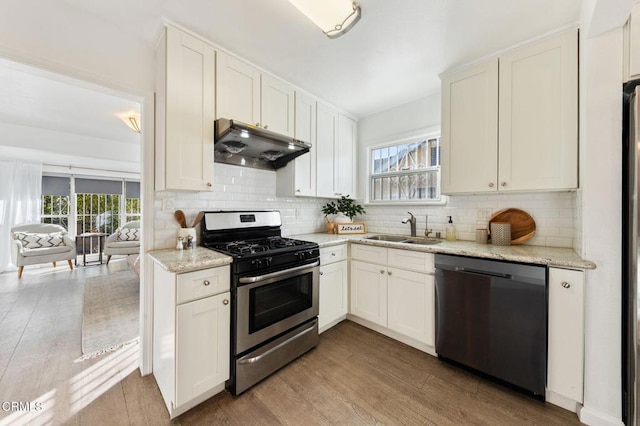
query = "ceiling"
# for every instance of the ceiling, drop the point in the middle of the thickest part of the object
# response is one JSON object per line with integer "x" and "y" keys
{"x": 391, "y": 57}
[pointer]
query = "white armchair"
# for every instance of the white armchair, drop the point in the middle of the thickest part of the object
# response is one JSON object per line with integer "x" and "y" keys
{"x": 41, "y": 243}
{"x": 125, "y": 241}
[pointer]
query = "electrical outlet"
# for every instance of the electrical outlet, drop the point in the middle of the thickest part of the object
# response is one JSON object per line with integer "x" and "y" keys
{"x": 483, "y": 214}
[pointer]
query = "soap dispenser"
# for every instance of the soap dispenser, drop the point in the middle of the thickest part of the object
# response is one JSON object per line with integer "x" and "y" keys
{"x": 450, "y": 232}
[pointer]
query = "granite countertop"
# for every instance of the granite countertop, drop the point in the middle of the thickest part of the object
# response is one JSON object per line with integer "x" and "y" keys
{"x": 180, "y": 261}
{"x": 551, "y": 256}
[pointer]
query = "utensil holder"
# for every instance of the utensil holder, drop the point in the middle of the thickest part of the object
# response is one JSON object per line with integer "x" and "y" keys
{"x": 186, "y": 232}
{"x": 501, "y": 233}
{"x": 482, "y": 235}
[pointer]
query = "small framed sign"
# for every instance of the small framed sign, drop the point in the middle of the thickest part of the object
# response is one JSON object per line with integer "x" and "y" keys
{"x": 351, "y": 228}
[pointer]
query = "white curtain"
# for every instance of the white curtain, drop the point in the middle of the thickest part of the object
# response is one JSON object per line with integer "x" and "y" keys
{"x": 20, "y": 197}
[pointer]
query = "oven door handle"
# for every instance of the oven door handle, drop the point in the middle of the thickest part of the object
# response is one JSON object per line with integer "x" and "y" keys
{"x": 298, "y": 270}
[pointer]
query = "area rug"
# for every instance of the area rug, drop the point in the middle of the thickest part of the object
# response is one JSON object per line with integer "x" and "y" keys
{"x": 110, "y": 314}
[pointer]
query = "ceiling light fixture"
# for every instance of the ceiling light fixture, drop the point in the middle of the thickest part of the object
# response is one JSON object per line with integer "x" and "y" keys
{"x": 334, "y": 17}
{"x": 132, "y": 122}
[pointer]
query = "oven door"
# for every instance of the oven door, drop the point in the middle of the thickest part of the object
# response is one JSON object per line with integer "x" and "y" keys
{"x": 270, "y": 304}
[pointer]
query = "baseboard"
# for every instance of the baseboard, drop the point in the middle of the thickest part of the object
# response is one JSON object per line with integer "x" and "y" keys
{"x": 593, "y": 417}
{"x": 331, "y": 324}
{"x": 562, "y": 401}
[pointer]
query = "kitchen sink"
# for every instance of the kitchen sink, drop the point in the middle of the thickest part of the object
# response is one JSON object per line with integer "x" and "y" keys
{"x": 403, "y": 239}
{"x": 422, "y": 241}
{"x": 391, "y": 238}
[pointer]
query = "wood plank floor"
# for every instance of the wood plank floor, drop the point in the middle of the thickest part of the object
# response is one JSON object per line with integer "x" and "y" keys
{"x": 354, "y": 376}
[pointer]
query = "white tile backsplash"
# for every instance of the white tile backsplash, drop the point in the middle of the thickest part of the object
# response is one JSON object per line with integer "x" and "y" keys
{"x": 238, "y": 188}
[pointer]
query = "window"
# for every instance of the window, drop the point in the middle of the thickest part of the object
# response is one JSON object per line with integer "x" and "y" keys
{"x": 409, "y": 171}
{"x": 132, "y": 201}
{"x": 55, "y": 201}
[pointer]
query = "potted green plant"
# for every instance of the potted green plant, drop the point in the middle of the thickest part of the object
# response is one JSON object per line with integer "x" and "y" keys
{"x": 345, "y": 209}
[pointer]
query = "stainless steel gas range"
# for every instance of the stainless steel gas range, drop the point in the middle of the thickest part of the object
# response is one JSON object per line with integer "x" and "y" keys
{"x": 274, "y": 292}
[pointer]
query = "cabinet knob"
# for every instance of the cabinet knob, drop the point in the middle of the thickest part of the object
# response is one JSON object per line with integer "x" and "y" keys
{"x": 565, "y": 284}
{"x": 333, "y": 254}
{"x": 503, "y": 184}
{"x": 382, "y": 271}
{"x": 490, "y": 184}
{"x": 206, "y": 282}
{"x": 225, "y": 302}
{"x": 258, "y": 124}
{"x": 266, "y": 126}
{"x": 298, "y": 190}
{"x": 389, "y": 272}
{"x": 209, "y": 184}
{"x": 321, "y": 273}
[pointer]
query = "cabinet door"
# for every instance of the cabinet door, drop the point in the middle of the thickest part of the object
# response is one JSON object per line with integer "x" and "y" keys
{"x": 634, "y": 42}
{"x": 202, "y": 346}
{"x": 333, "y": 293}
{"x": 277, "y": 106}
{"x": 344, "y": 156}
{"x": 190, "y": 97}
{"x": 369, "y": 292}
{"x": 412, "y": 304}
{"x": 566, "y": 333}
{"x": 539, "y": 116}
{"x": 305, "y": 130}
{"x": 238, "y": 95}
{"x": 327, "y": 126}
{"x": 469, "y": 143}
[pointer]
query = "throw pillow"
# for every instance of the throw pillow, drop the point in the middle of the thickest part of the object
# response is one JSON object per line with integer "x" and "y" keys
{"x": 32, "y": 240}
{"x": 129, "y": 234}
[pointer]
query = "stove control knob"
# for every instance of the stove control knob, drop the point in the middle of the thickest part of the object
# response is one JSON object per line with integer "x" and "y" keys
{"x": 257, "y": 263}
{"x": 268, "y": 260}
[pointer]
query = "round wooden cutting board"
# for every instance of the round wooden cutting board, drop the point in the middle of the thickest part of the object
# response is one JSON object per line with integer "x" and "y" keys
{"x": 523, "y": 227}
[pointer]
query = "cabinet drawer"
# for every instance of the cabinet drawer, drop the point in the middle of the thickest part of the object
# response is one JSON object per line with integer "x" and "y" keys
{"x": 199, "y": 284}
{"x": 369, "y": 254}
{"x": 411, "y": 260}
{"x": 333, "y": 254}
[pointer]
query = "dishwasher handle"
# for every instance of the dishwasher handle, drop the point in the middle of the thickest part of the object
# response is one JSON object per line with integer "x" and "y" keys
{"x": 487, "y": 273}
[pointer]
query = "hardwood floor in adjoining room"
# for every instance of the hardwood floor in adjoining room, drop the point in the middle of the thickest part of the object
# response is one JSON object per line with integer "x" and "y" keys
{"x": 354, "y": 376}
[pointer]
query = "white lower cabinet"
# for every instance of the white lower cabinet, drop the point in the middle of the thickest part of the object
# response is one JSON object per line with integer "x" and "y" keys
{"x": 191, "y": 336}
{"x": 333, "y": 286}
{"x": 566, "y": 335}
{"x": 401, "y": 300}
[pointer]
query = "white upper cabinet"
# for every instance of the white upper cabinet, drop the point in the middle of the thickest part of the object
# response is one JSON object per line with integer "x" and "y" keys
{"x": 238, "y": 95}
{"x": 277, "y": 106}
{"x": 511, "y": 123}
{"x": 632, "y": 45}
{"x": 327, "y": 128}
{"x": 185, "y": 106}
{"x": 247, "y": 95}
{"x": 470, "y": 129}
{"x": 298, "y": 177}
{"x": 538, "y": 136}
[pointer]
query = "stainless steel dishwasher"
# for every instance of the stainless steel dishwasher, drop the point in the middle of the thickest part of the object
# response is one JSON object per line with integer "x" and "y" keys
{"x": 492, "y": 316}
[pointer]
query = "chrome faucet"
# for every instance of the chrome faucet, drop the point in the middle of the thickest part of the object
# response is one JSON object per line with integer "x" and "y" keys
{"x": 412, "y": 221}
{"x": 427, "y": 231}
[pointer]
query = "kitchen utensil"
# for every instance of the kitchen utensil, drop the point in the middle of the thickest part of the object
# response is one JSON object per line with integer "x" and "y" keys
{"x": 501, "y": 233}
{"x": 198, "y": 219}
{"x": 523, "y": 227}
{"x": 180, "y": 218}
{"x": 482, "y": 235}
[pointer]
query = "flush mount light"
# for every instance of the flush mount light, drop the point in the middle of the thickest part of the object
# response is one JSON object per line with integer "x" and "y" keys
{"x": 132, "y": 122}
{"x": 334, "y": 17}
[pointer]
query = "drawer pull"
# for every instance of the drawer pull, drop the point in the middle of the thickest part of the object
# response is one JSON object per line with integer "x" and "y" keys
{"x": 209, "y": 184}
{"x": 382, "y": 271}
{"x": 206, "y": 282}
{"x": 225, "y": 302}
{"x": 565, "y": 284}
{"x": 389, "y": 272}
{"x": 321, "y": 273}
{"x": 333, "y": 254}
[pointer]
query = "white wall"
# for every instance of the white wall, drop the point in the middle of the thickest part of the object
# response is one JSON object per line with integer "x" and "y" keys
{"x": 601, "y": 214}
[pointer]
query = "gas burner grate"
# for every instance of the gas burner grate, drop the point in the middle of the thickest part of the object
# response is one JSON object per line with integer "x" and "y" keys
{"x": 244, "y": 247}
{"x": 279, "y": 242}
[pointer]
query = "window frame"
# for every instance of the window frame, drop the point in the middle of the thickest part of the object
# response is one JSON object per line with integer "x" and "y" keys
{"x": 404, "y": 140}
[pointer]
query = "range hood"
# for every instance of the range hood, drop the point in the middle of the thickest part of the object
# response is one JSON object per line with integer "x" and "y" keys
{"x": 250, "y": 146}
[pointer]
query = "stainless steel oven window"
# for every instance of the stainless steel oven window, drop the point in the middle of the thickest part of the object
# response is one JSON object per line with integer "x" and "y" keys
{"x": 274, "y": 302}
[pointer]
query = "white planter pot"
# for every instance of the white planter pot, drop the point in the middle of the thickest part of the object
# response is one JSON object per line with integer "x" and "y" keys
{"x": 342, "y": 218}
